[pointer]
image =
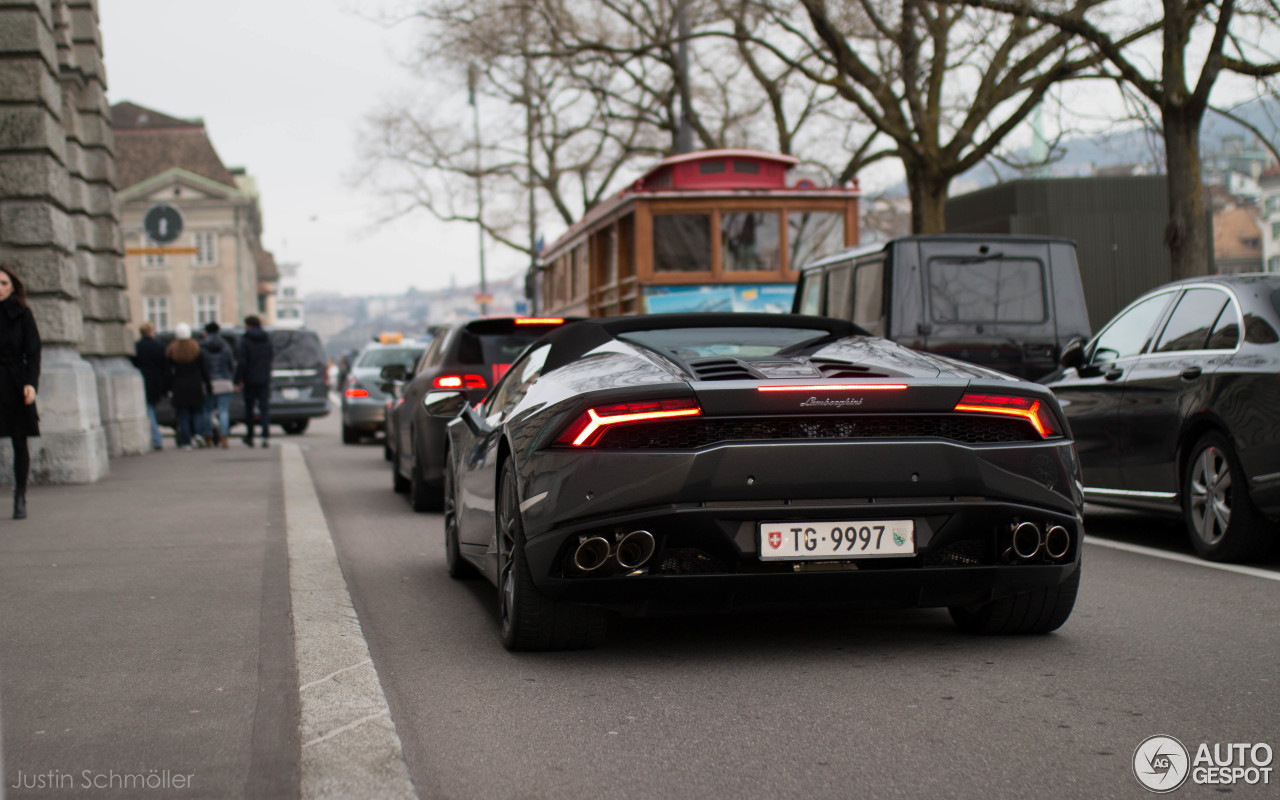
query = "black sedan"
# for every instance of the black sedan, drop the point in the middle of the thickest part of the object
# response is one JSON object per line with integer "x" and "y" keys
{"x": 708, "y": 461}
{"x": 469, "y": 357}
{"x": 1173, "y": 406}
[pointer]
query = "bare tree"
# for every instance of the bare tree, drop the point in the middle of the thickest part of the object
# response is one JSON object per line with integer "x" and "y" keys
{"x": 1241, "y": 38}
{"x": 944, "y": 84}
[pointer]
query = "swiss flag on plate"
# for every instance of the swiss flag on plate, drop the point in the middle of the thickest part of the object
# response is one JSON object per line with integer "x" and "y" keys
{"x": 775, "y": 539}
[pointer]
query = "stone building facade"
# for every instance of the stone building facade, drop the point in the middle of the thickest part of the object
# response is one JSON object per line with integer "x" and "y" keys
{"x": 60, "y": 231}
{"x": 220, "y": 271}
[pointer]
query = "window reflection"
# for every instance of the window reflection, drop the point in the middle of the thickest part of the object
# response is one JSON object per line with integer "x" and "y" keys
{"x": 749, "y": 241}
{"x": 682, "y": 243}
{"x": 813, "y": 233}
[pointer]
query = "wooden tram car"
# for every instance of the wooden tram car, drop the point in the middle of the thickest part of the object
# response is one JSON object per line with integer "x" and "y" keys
{"x": 716, "y": 230}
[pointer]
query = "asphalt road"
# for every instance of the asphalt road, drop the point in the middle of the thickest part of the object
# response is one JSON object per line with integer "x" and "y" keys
{"x": 803, "y": 704}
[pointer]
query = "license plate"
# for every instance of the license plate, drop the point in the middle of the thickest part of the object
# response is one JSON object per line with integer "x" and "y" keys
{"x": 290, "y": 393}
{"x": 836, "y": 541}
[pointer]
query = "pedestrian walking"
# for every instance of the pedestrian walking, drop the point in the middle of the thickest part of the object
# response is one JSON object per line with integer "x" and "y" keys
{"x": 253, "y": 377}
{"x": 188, "y": 382}
{"x": 221, "y": 365}
{"x": 19, "y": 379}
{"x": 148, "y": 357}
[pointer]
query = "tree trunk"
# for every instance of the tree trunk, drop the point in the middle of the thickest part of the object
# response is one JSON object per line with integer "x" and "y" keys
{"x": 928, "y": 200}
{"x": 1187, "y": 235}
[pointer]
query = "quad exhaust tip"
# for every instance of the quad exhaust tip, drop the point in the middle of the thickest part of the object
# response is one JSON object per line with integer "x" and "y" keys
{"x": 1057, "y": 541}
{"x": 635, "y": 549}
{"x": 1026, "y": 540}
{"x": 592, "y": 553}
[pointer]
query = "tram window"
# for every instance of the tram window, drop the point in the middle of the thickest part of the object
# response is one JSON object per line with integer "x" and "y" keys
{"x": 711, "y": 168}
{"x": 682, "y": 243}
{"x": 813, "y": 233}
{"x": 746, "y": 167}
{"x": 749, "y": 241}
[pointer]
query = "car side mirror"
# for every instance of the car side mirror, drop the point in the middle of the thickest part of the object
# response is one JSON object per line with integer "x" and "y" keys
{"x": 394, "y": 372}
{"x": 444, "y": 405}
{"x": 1072, "y": 353}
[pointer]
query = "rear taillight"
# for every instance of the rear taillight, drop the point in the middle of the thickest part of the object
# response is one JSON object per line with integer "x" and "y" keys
{"x": 1033, "y": 411}
{"x": 539, "y": 321}
{"x": 587, "y": 429}
{"x": 459, "y": 382}
{"x": 357, "y": 393}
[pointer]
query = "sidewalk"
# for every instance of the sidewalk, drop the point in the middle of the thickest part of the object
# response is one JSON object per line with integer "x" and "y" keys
{"x": 145, "y": 635}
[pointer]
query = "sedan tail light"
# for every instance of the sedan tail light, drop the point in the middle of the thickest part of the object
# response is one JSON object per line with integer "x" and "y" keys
{"x": 587, "y": 429}
{"x": 357, "y": 393}
{"x": 1033, "y": 411}
{"x": 459, "y": 382}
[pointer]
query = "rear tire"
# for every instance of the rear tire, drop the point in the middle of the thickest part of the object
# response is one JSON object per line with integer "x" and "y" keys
{"x": 399, "y": 484}
{"x": 1220, "y": 517}
{"x": 349, "y": 435}
{"x": 423, "y": 495}
{"x": 530, "y": 619}
{"x": 296, "y": 427}
{"x": 1038, "y": 611}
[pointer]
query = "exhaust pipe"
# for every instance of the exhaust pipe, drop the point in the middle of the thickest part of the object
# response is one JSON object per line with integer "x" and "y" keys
{"x": 635, "y": 549}
{"x": 591, "y": 554}
{"x": 1026, "y": 540}
{"x": 1057, "y": 541}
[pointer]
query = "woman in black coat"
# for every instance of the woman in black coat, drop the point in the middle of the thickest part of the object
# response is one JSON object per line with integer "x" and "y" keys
{"x": 19, "y": 379}
{"x": 188, "y": 381}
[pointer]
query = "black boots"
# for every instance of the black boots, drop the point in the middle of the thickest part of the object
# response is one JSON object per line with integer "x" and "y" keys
{"x": 19, "y": 504}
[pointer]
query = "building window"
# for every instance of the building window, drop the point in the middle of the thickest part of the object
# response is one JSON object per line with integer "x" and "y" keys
{"x": 288, "y": 313}
{"x": 206, "y": 248}
{"x": 1273, "y": 264}
{"x": 289, "y": 291}
{"x": 156, "y": 311}
{"x": 157, "y": 260}
{"x": 1275, "y": 231}
{"x": 208, "y": 308}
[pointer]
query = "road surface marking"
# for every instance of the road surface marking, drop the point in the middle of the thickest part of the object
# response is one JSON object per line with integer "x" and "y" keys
{"x": 1253, "y": 572}
{"x": 350, "y": 748}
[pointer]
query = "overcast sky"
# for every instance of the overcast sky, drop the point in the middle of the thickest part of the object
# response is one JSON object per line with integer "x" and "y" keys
{"x": 282, "y": 86}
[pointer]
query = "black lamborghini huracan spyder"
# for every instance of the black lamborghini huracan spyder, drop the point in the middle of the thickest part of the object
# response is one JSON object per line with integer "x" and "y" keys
{"x": 708, "y": 461}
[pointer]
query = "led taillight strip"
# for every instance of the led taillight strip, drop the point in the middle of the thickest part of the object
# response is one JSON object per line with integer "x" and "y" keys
{"x": 835, "y": 387}
{"x": 539, "y": 321}
{"x": 1031, "y": 414}
{"x": 597, "y": 422}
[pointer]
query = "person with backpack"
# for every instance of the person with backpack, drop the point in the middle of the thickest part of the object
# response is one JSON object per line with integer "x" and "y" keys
{"x": 221, "y": 364}
{"x": 253, "y": 377}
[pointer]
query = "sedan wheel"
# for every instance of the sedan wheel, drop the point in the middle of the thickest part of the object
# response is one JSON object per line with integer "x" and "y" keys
{"x": 530, "y": 619}
{"x": 1220, "y": 517}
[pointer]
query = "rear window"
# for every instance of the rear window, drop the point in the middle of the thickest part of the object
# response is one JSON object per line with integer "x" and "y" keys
{"x": 296, "y": 350}
{"x": 386, "y": 356}
{"x": 988, "y": 290}
{"x": 687, "y": 343}
{"x": 497, "y": 341}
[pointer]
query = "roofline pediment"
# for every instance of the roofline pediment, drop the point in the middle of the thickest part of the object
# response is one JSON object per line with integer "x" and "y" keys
{"x": 175, "y": 175}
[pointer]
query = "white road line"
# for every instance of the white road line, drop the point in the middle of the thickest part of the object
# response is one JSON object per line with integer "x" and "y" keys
{"x": 352, "y": 749}
{"x": 1252, "y": 572}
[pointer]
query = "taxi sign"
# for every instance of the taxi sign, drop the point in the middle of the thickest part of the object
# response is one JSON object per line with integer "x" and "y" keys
{"x": 390, "y": 338}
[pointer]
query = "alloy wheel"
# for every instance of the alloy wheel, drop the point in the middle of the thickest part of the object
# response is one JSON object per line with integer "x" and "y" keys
{"x": 1210, "y": 496}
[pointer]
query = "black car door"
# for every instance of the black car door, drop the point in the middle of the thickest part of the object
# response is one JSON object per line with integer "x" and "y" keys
{"x": 1091, "y": 394}
{"x": 479, "y": 464}
{"x": 1165, "y": 386}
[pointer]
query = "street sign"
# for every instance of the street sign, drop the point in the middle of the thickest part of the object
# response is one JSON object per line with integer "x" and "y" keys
{"x": 163, "y": 223}
{"x": 484, "y": 298}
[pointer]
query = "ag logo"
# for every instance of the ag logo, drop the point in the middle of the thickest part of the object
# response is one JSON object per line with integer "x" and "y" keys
{"x": 1161, "y": 764}
{"x": 775, "y": 539}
